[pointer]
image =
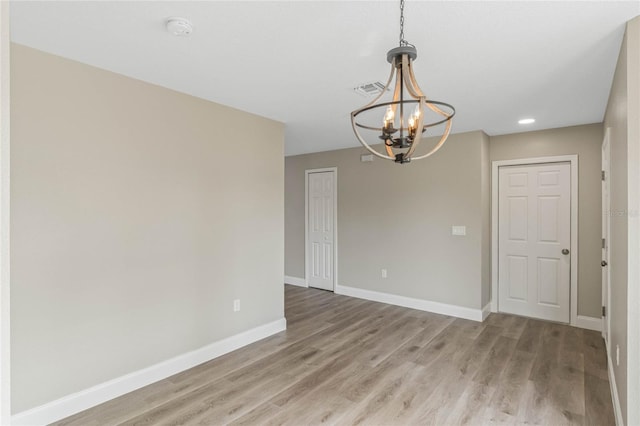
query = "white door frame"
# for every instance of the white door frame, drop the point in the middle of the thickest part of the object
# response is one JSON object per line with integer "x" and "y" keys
{"x": 495, "y": 165}
{"x": 606, "y": 209}
{"x": 335, "y": 223}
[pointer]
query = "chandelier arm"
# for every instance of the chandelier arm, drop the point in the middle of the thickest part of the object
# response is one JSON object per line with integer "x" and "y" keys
{"x": 436, "y": 109}
{"x": 414, "y": 82}
{"x": 419, "y": 125}
{"x": 394, "y": 106}
{"x": 366, "y": 145}
{"x": 386, "y": 88}
{"x": 396, "y": 90}
{"x": 389, "y": 151}
{"x": 447, "y": 116}
{"x": 440, "y": 142}
{"x": 409, "y": 79}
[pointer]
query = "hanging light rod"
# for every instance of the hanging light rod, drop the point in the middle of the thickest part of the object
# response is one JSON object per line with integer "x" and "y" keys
{"x": 404, "y": 122}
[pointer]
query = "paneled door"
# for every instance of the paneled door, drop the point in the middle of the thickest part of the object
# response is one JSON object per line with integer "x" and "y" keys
{"x": 534, "y": 239}
{"x": 320, "y": 232}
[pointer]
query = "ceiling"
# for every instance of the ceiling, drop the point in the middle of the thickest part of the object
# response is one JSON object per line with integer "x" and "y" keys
{"x": 298, "y": 61}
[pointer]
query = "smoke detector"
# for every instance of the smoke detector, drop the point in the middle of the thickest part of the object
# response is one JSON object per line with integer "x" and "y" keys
{"x": 179, "y": 27}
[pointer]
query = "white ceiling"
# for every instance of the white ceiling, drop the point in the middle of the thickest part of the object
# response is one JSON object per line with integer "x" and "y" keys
{"x": 298, "y": 61}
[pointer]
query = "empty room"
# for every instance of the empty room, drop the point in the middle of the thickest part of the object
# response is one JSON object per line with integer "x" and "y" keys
{"x": 393, "y": 212}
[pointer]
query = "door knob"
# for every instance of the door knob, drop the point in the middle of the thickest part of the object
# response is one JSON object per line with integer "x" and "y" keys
{"x": 604, "y": 263}
{"x": 565, "y": 251}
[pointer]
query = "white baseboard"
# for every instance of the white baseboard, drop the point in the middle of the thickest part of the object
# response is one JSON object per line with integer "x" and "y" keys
{"x": 617, "y": 411}
{"x": 79, "y": 401}
{"x": 410, "y": 302}
{"x": 300, "y": 282}
{"x": 486, "y": 311}
{"x": 589, "y": 323}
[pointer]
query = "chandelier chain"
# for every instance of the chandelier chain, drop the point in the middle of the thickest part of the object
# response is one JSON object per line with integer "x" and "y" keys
{"x": 403, "y": 42}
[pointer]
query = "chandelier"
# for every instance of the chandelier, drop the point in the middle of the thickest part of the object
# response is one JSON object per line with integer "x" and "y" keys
{"x": 408, "y": 114}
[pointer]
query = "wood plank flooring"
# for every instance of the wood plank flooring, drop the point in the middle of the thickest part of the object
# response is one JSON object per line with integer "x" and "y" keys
{"x": 348, "y": 361}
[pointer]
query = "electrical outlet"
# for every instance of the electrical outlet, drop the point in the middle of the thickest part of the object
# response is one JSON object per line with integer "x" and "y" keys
{"x": 617, "y": 355}
{"x": 236, "y": 305}
{"x": 383, "y": 273}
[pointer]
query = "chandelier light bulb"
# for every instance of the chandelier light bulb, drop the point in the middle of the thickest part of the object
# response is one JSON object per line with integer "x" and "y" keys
{"x": 388, "y": 116}
{"x": 387, "y": 122}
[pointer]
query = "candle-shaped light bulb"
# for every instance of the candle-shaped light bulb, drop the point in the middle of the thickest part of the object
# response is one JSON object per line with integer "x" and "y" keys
{"x": 416, "y": 114}
{"x": 388, "y": 119}
{"x": 413, "y": 122}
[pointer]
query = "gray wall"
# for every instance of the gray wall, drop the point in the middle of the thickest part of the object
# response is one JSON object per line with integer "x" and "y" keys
{"x": 134, "y": 225}
{"x": 623, "y": 119}
{"x": 586, "y": 142}
{"x": 399, "y": 217}
{"x": 376, "y": 200}
{"x": 633, "y": 255}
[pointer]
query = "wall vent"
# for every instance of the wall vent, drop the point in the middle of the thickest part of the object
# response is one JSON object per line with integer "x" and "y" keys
{"x": 369, "y": 89}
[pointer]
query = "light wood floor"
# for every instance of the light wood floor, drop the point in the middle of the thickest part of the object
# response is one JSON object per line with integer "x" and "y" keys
{"x": 349, "y": 361}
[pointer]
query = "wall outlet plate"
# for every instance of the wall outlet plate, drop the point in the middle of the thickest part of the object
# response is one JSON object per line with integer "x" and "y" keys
{"x": 236, "y": 305}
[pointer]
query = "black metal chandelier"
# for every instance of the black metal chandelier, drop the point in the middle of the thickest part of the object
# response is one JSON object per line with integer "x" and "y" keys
{"x": 408, "y": 114}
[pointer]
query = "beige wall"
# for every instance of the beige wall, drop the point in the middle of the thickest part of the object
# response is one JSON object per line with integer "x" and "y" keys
{"x": 633, "y": 286}
{"x": 586, "y": 142}
{"x": 5, "y": 341}
{"x": 623, "y": 119}
{"x": 294, "y": 207}
{"x": 616, "y": 121}
{"x": 399, "y": 217}
{"x": 137, "y": 218}
{"x": 450, "y": 188}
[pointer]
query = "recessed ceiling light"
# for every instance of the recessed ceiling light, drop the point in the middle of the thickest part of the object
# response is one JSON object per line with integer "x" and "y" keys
{"x": 180, "y": 27}
{"x": 527, "y": 121}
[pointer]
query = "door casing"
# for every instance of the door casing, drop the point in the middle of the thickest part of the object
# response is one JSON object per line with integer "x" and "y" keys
{"x": 573, "y": 160}
{"x": 307, "y": 260}
{"x": 606, "y": 234}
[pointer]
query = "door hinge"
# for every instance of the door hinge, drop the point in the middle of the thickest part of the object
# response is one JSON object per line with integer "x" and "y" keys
{"x": 603, "y": 243}
{"x": 603, "y": 175}
{"x": 604, "y": 311}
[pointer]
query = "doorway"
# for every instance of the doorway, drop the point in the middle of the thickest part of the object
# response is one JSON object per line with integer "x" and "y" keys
{"x": 320, "y": 228}
{"x": 534, "y": 267}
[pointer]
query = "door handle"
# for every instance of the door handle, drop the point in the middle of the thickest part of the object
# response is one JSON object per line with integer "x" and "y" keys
{"x": 565, "y": 251}
{"x": 603, "y": 263}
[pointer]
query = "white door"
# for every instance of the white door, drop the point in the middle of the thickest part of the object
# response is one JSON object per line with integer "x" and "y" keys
{"x": 534, "y": 238}
{"x": 606, "y": 217}
{"x": 320, "y": 232}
